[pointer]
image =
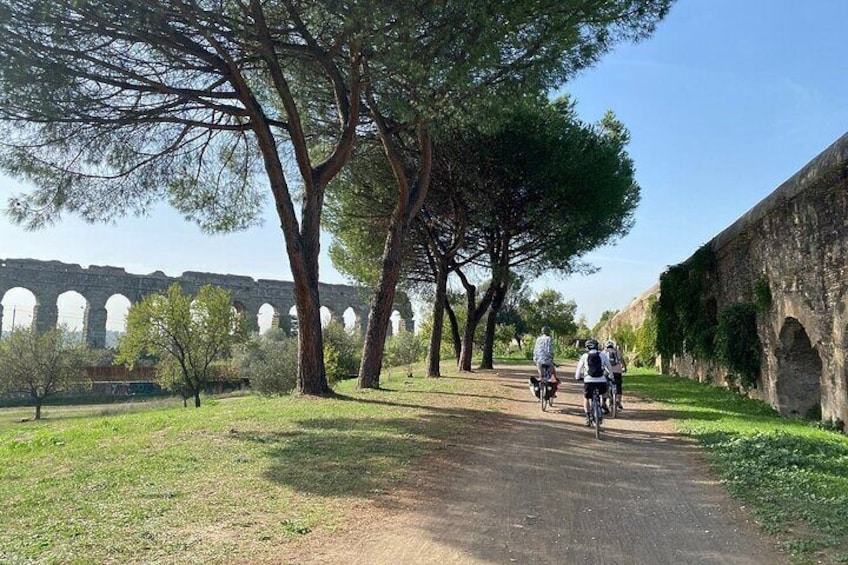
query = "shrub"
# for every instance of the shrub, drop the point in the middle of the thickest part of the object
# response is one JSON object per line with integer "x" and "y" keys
{"x": 342, "y": 352}
{"x": 403, "y": 349}
{"x": 269, "y": 361}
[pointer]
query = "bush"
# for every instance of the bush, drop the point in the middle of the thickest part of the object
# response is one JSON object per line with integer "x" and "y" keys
{"x": 403, "y": 349}
{"x": 342, "y": 352}
{"x": 269, "y": 361}
{"x": 568, "y": 352}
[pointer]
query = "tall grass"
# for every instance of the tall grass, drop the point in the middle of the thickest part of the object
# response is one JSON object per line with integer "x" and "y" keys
{"x": 792, "y": 473}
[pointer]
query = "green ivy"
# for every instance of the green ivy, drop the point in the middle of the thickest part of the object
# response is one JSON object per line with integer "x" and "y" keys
{"x": 738, "y": 344}
{"x": 686, "y": 321}
{"x": 762, "y": 294}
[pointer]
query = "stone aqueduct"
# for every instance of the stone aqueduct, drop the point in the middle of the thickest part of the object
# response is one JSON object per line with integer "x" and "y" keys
{"x": 796, "y": 240}
{"x": 47, "y": 280}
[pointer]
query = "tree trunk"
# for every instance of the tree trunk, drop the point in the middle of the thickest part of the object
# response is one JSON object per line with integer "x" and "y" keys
{"x": 311, "y": 374}
{"x": 303, "y": 258}
{"x": 197, "y": 399}
{"x": 491, "y": 321}
{"x": 37, "y": 408}
{"x": 381, "y": 306}
{"x": 454, "y": 325}
{"x": 467, "y": 348}
{"x": 434, "y": 356}
{"x": 473, "y": 313}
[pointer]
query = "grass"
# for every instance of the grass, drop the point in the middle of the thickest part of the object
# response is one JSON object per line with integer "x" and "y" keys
{"x": 793, "y": 474}
{"x": 244, "y": 478}
{"x": 236, "y": 480}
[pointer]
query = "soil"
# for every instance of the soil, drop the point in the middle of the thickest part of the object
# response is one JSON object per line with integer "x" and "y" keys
{"x": 535, "y": 487}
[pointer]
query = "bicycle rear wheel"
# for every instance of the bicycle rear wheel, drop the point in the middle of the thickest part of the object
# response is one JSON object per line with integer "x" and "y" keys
{"x": 613, "y": 403}
{"x": 598, "y": 414}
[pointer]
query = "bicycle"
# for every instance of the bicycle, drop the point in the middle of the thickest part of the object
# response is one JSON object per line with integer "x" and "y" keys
{"x": 596, "y": 412}
{"x": 545, "y": 388}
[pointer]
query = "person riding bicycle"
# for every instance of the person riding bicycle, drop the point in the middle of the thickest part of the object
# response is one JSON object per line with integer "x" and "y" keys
{"x": 618, "y": 370}
{"x": 592, "y": 369}
{"x": 543, "y": 357}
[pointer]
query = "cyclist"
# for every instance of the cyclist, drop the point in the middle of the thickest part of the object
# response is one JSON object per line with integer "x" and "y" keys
{"x": 618, "y": 369}
{"x": 593, "y": 369}
{"x": 543, "y": 357}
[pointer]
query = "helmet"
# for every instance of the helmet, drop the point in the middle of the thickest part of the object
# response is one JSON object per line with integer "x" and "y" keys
{"x": 546, "y": 330}
{"x": 591, "y": 344}
{"x": 610, "y": 344}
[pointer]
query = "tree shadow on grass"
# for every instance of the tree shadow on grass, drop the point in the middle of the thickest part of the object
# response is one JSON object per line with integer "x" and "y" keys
{"x": 348, "y": 456}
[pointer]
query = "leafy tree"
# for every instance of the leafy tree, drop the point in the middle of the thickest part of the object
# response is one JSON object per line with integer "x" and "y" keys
{"x": 40, "y": 365}
{"x": 465, "y": 55}
{"x": 556, "y": 188}
{"x": 606, "y": 316}
{"x": 188, "y": 334}
{"x": 549, "y": 308}
{"x": 583, "y": 327}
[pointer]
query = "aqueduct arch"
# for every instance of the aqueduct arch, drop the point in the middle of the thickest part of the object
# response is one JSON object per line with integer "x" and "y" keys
{"x": 799, "y": 372}
{"x": 787, "y": 257}
{"x": 49, "y": 279}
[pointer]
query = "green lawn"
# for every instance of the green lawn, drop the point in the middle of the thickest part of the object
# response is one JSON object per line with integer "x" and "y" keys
{"x": 246, "y": 476}
{"x": 238, "y": 477}
{"x": 792, "y": 473}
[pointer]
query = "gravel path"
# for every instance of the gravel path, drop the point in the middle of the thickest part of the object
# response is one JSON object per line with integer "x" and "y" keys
{"x": 541, "y": 489}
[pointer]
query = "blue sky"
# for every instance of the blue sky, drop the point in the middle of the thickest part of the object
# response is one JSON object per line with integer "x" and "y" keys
{"x": 726, "y": 101}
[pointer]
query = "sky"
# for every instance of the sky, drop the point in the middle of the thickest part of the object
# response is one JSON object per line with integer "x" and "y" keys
{"x": 728, "y": 99}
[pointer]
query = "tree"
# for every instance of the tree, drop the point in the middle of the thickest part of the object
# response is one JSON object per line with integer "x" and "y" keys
{"x": 606, "y": 316}
{"x": 511, "y": 313}
{"x": 471, "y": 54}
{"x": 555, "y": 189}
{"x": 549, "y": 308}
{"x": 107, "y": 106}
{"x": 40, "y": 365}
{"x": 185, "y": 332}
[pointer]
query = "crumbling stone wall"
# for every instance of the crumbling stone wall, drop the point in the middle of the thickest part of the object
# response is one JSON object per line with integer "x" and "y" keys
{"x": 795, "y": 243}
{"x": 48, "y": 279}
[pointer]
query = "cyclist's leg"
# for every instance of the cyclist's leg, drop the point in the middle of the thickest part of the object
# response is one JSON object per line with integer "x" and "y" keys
{"x": 587, "y": 397}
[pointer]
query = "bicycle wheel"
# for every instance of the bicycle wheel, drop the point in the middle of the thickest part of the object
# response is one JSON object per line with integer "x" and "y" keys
{"x": 598, "y": 413}
{"x": 613, "y": 403}
{"x": 543, "y": 388}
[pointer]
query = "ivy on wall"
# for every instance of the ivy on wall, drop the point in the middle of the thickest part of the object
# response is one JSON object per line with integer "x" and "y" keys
{"x": 738, "y": 344}
{"x": 686, "y": 317}
{"x": 688, "y": 321}
{"x": 762, "y": 294}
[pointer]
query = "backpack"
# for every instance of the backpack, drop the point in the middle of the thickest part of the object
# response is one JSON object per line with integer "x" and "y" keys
{"x": 596, "y": 368}
{"x": 613, "y": 356}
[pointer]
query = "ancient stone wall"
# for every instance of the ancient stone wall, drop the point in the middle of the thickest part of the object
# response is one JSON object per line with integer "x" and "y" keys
{"x": 795, "y": 243}
{"x": 49, "y": 279}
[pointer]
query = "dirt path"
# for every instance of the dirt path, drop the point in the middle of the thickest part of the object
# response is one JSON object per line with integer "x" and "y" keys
{"x": 544, "y": 490}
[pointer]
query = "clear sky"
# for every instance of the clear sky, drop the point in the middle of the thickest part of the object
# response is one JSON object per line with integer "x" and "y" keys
{"x": 727, "y": 100}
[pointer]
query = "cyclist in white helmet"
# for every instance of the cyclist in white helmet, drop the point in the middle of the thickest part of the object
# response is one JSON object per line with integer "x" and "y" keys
{"x": 593, "y": 369}
{"x": 618, "y": 370}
